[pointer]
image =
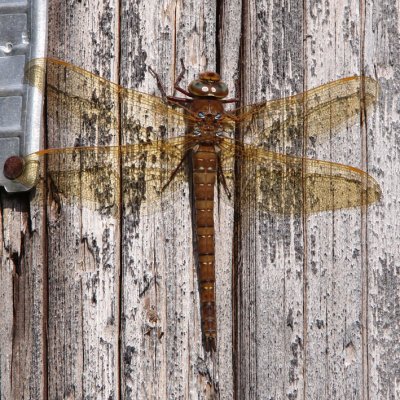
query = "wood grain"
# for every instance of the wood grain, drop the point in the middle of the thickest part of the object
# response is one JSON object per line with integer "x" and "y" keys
{"x": 83, "y": 245}
{"x": 271, "y": 250}
{"x": 100, "y": 306}
{"x": 336, "y": 268}
{"x": 23, "y": 289}
{"x": 382, "y": 252}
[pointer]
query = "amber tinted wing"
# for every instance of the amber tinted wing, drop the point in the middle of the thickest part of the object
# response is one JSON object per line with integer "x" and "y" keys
{"x": 94, "y": 111}
{"x": 105, "y": 178}
{"x": 95, "y": 100}
{"x": 321, "y": 110}
{"x": 291, "y": 185}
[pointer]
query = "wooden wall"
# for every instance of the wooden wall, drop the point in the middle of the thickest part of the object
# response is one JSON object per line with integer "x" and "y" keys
{"x": 314, "y": 310}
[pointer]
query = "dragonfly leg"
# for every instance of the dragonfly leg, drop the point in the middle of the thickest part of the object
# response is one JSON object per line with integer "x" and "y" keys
{"x": 178, "y": 81}
{"x": 176, "y": 170}
{"x": 178, "y": 101}
{"x": 181, "y": 102}
{"x": 232, "y": 116}
{"x": 220, "y": 172}
{"x": 234, "y": 100}
{"x": 237, "y": 90}
{"x": 159, "y": 84}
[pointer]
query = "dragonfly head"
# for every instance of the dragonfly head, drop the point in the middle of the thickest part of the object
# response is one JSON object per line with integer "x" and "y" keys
{"x": 209, "y": 84}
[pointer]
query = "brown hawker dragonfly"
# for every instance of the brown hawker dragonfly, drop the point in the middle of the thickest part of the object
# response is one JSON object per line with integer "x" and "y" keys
{"x": 159, "y": 134}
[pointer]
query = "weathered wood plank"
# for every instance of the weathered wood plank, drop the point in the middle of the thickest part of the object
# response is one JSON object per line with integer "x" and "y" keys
{"x": 322, "y": 351}
{"x": 335, "y": 264}
{"x": 228, "y": 61}
{"x": 270, "y": 349}
{"x": 83, "y": 244}
{"x": 383, "y": 229}
{"x": 317, "y": 306}
{"x": 22, "y": 309}
{"x": 159, "y": 247}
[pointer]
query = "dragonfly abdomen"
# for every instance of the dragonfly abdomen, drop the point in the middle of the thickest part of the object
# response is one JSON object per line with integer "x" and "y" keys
{"x": 204, "y": 177}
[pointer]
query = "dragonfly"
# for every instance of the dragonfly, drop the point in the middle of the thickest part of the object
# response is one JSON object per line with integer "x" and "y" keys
{"x": 192, "y": 137}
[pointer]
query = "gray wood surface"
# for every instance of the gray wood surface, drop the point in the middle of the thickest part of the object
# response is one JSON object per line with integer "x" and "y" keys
{"x": 107, "y": 306}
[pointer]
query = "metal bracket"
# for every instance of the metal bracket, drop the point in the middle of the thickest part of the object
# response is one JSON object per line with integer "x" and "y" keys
{"x": 23, "y": 36}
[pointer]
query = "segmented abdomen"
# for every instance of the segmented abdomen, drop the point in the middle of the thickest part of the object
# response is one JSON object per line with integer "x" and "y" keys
{"x": 204, "y": 176}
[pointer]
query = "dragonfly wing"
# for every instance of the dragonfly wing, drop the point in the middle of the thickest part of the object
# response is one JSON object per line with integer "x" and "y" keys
{"x": 323, "y": 110}
{"x": 291, "y": 185}
{"x": 90, "y": 99}
{"x": 105, "y": 178}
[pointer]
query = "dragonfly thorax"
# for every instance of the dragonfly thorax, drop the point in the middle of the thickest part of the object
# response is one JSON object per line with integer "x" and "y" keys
{"x": 209, "y": 113}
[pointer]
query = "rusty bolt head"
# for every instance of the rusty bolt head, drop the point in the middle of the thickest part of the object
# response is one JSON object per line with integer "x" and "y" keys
{"x": 13, "y": 167}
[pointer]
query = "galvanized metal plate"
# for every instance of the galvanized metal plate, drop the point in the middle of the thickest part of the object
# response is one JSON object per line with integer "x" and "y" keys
{"x": 23, "y": 36}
